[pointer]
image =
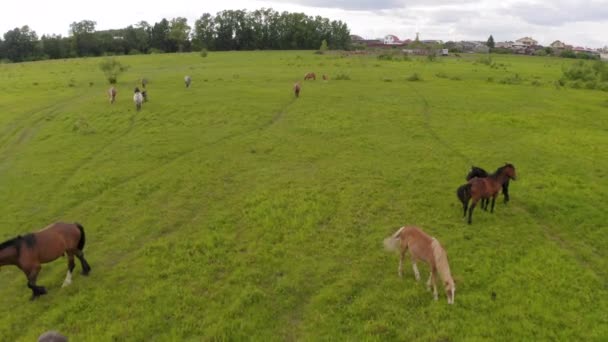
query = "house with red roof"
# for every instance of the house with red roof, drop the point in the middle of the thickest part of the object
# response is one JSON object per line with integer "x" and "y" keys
{"x": 391, "y": 39}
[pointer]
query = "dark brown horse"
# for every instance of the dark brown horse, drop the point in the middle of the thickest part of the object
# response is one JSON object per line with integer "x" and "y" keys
{"x": 297, "y": 88}
{"x": 310, "y": 75}
{"x": 29, "y": 251}
{"x": 481, "y": 173}
{"x": 488, "y": 187}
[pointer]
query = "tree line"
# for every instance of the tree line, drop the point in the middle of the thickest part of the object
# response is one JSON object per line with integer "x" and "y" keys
{"x": 261, "y": 29}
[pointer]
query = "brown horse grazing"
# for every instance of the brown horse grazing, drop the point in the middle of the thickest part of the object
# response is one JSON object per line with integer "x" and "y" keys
{"x": 310, "y": 75}
{"x": 112, "y": 94}
{"x": 488, "y": 187}
{"x": 29, "y": 251}
{"x": 296, "y": 89}
{"x": 425, "y": 248}
{"x": 325, "y": 78}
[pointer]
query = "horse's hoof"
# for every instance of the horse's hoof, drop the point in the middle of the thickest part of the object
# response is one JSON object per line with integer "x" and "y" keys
{"x": 85, "y": 273}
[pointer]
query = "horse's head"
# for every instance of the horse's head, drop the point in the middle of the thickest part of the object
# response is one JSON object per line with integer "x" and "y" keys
{"x": 509, "y": 170}
{"x": 450, "y": 290}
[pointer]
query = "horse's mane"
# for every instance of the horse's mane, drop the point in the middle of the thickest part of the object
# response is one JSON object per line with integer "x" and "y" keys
{"x": 500, "y": 169}
{"x": 10, "y": 243}
{"x": 476, "y": 172}
{"x": 441, "y": 260}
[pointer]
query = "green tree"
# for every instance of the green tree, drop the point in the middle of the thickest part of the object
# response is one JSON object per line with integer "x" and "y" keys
{"x": 21, "y": 44}
{"x": 490, "y": 42}
{"x": 179, "y": 34}
{"x": 112, "y": 68}
{"x": 159, "y": 38}
{"x": 84, "y": 41}
{"x": 55, "y": 47}
{"x": 323, "y": 45}
{"x": 204, "y": 32}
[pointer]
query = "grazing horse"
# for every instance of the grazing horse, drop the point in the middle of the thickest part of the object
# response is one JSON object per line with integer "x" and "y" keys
{"x": 52, "y": 336}
{"x": 144, "y": 82}
{"x": 296, "y": 89}
{"x": 29, "y": 251}
{"x": 325, "y": 78}
{"x": 424, "y": 248}
{"x": 478, "y": 188}
{"x": 138, "y": 98}
{"x": 112, "y": 94}
{"x": 310, "y": 75}
{"x": 187, "y": 80}
{"x": 481, "y": 173}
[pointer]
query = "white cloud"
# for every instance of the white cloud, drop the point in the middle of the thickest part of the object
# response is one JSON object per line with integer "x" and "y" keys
{"x": 576, "y": 22}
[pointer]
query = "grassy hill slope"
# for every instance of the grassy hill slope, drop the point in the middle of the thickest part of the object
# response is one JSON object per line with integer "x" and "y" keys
{"x": 232, "y": 210}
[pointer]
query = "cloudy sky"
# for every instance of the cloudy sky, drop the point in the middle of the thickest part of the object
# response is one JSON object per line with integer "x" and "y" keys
{"x": 575, "y": 22}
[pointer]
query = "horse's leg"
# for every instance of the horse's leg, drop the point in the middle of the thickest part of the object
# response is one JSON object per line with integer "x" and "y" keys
{"x": 428, "y": 282}
{"x": 471, "y": 210}
{"x": 416, "y": 272}
{"x": 85, "y": 265}
{"x": 71, "y": 265}
{"x": 493, "y": 200}
{"x": 402, "y": 255}
{"x": 465, "y": 206}
{"x": 505, "y": 191}
{"x": 433, "y": 279}
{"x": 32, "y": 275}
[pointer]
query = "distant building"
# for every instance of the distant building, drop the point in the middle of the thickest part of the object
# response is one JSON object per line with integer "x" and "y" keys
{"x": 431, "y": 41}
{"x": 526, "y": 41}
{"x": 355, "y": 38}
{"x": 504, "y": 45}
{"x": 558, "y": 45}
{"x": 391, "y": 39}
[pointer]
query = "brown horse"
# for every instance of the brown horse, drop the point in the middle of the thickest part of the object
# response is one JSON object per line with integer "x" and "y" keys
{"x": 29, "y": 251}
{"x": 487, "y": 187}
{"x": 310, "y": 75}
{"x": 296, "y": 89}
{"x": 112, "y": 94}
{"x": 325, "y": 78}
{"x": 425, "y": 248}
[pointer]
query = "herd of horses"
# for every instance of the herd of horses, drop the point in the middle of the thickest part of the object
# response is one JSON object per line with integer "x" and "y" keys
{"x": 141, "y": 96}
{"x": 422, "y": 247}
{"x": 30, "y": 251}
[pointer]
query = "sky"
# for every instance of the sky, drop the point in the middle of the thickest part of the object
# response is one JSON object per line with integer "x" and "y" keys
{"x": 579, "y": 23}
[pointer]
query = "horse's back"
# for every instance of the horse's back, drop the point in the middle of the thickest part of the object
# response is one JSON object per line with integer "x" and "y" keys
{"x": 418, "y": 242}
{"x": 55, "y": 239}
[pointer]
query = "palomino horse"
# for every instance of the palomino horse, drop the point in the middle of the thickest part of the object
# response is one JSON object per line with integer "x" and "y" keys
{"x": 29, "y": 251}
{"x": 296, "y": 89}
{"x": 138, "y": 99}
{"x": 481, "y": 173}
{"x": 310, "y": 76}
{"x": 112, "y": 94}
{"x": 478, "y": 188}
{"x": 424, "y": 248}
{"x": 188, "y": 81}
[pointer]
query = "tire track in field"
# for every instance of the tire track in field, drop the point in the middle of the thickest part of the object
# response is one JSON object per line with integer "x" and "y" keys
{"x": 426, "y": 114}
{"x": 275, "y": 118}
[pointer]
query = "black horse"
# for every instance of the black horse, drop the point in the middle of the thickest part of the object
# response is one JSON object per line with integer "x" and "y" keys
{"x": 481, "y": 173}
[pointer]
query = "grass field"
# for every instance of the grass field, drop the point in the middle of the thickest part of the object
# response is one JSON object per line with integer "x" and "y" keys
{"x": 233, "y": 211}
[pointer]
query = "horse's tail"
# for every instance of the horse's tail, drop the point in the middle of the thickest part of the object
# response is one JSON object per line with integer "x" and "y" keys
{"x": 464, "y": 193}
{"x": 392, "y": 243}
{"x": 82, "y": 236}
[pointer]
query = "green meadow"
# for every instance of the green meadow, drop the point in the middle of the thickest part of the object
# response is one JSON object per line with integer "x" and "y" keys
{"x": 234, "y": 211}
